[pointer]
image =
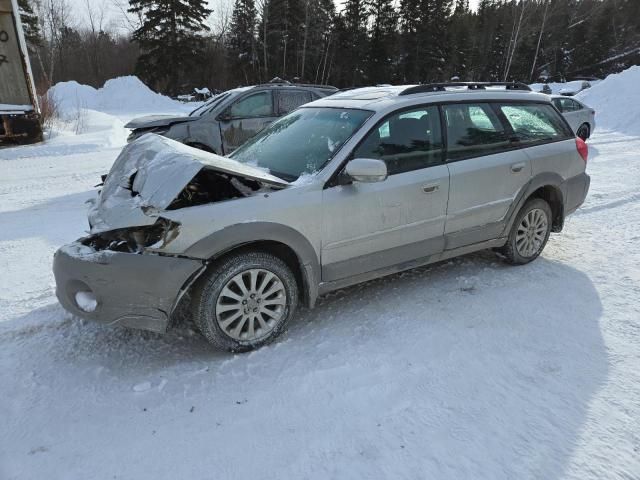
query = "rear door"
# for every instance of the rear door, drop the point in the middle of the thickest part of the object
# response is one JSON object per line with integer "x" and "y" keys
{"x": 245, "y": 117}
{"x": 487, "y": 170}
{"x": 547, "y": 141}
{"x": 369, "y": 226}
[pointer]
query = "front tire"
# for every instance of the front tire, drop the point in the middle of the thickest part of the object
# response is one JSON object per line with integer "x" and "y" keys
{"x": 529, "y": 233}
{"x": 246, "y": 301}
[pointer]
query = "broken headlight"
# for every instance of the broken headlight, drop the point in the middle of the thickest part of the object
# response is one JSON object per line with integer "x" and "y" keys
{"x": 135, "y": 239}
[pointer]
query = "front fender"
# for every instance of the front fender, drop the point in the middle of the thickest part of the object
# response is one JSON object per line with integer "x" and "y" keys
{"x": 233, "y": 236}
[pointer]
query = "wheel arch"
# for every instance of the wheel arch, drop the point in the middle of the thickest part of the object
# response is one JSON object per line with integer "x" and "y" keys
{"x": 550, "y": 188}
{"x": 280, "y": 240}
{"x": 553, "y": 196}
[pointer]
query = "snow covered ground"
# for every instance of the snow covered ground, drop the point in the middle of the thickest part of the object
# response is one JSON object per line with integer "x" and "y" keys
{"x": 468, "y": 369}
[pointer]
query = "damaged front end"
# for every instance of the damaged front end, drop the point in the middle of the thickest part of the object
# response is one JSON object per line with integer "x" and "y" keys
{"x": 134, "y": 239}
{"x": 156, "y": 174}
{"x": 119, "y": 274}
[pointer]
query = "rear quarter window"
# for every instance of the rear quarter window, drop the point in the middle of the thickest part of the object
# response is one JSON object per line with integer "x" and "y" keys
{"x": 533, "y": 123}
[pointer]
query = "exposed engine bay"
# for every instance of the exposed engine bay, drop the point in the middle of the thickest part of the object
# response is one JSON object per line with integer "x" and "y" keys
{"x": 209, "y": 186}
{"x": 155, "y": 174}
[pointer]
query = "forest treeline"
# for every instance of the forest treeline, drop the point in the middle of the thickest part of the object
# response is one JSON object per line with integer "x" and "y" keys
{"x": 175, "y": 45}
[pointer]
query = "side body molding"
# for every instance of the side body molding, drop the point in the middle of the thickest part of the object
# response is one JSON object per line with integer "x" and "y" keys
{"x": 231, "y": 237}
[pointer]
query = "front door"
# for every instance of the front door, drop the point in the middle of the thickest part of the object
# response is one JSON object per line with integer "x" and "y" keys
{"x": 245, "y": 118}
{"x": 371, "y": 226}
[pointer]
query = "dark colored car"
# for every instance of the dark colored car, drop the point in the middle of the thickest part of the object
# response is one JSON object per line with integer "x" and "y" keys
{"x": 231, "y": 118}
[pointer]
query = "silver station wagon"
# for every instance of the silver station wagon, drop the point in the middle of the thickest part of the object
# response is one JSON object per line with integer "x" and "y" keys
{"x": 345, "y": 189}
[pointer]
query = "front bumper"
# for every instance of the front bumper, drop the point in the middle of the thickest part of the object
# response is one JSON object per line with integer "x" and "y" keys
{"x": 132, "y": 290}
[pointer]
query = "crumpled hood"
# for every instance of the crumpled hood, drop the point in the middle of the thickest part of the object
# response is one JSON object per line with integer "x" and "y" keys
{"x": 150, "y": 173}
{"x": 153, "y": 121}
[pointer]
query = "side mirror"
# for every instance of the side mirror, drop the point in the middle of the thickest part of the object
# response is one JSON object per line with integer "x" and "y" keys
{"x": 226, "y": 115}
{"x": 367, "y": 170}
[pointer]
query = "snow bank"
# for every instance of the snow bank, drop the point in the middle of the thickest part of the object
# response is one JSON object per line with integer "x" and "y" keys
{"x": 122, "y": 94}
{"x": 616, "y": 101}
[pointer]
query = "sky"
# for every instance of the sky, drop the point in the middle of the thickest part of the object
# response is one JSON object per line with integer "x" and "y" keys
{"x": 114, "y": 13}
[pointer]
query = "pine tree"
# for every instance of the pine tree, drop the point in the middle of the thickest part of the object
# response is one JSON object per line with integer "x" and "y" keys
{"x": 30, "y": 24}
{"x": 381, "y": 64}
{"x": 437, "y": 38}
{"x": 241, "y": 42}
{"x": 412, "y": 26}
{"x": 170, "y": 40}
{"x": 460, "y": 57}
{"x": 318, "y": 33}
{"x": 354, "y": 44}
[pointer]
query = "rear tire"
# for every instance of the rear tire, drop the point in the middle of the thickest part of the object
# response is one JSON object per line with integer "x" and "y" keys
{"x": 529, "y": 233}
{"x": 246, "y": 301}
{"x": 584, "y": 132}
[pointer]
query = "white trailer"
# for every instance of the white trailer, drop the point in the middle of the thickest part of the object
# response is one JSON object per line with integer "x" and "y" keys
{"x": 19, "y": 110}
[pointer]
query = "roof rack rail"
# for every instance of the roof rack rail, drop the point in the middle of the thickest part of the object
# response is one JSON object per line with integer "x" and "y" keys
{"x": 278, "y": 82}
{"x": 442, "y": 87}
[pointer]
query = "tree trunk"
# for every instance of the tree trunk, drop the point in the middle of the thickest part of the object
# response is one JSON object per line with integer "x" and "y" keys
{"x": 535, "y": 58}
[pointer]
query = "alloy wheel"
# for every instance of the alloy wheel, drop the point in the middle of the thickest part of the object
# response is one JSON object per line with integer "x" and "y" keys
{"x": 251, "y": 304}
{"x": 532, "y": 232}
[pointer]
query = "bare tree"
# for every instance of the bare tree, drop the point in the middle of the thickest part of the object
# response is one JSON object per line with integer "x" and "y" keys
{"x": 54, "y": 17}
{"x": 263, "y": 11}
{"x": 515, "y": 35}
{"x": 544, "y": 21}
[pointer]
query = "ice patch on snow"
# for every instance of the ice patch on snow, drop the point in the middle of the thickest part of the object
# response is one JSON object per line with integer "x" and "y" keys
{"x": 142, "y": 387}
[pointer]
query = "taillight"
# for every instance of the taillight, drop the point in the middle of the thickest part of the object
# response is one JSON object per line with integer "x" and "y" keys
{"x": 583, "y": 149}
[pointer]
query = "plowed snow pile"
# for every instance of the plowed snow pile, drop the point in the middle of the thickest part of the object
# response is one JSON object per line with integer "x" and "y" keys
{"x": 616, "y": 101}
{"x": 117, "y": 95}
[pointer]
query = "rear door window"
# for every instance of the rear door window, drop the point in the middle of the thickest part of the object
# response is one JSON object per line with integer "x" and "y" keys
{"x": 289, "y": 100}
{"x": 566, "y": 105}
{"x": 575, "y": 105}
{"x": 473, "y": 130}
{"x": 405, "y": 141}
{"x": 534, "y": 122}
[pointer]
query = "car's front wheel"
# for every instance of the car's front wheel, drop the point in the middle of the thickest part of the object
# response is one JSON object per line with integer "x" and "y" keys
{"x": 245, "y": 301}
{"x": 529, "y": 233}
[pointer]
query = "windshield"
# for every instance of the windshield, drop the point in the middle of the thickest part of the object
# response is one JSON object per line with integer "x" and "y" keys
{"x": 212, "y": 102}
{"x": 301, "y": 142}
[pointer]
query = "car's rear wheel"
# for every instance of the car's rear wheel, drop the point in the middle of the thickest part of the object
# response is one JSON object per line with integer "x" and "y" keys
{"x": 245, "y": 301}
{"x": 584, "y": 132}
{"x": 529, "y": 233}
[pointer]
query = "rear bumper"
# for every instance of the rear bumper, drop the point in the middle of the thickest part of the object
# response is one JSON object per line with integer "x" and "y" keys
{"x": 575, "y": 192}
{"x": 131, "y": 290}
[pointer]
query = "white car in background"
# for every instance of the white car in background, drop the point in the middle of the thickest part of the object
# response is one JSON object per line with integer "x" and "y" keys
{"x": 581, "y": 118}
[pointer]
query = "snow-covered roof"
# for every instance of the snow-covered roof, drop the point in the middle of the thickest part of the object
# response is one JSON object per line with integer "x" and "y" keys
{"x": 9, "y": 108}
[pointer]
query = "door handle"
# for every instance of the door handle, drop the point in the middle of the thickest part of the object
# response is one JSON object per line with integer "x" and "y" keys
{"x": 517, "y": 167}
{"x": 431, "y": 188}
